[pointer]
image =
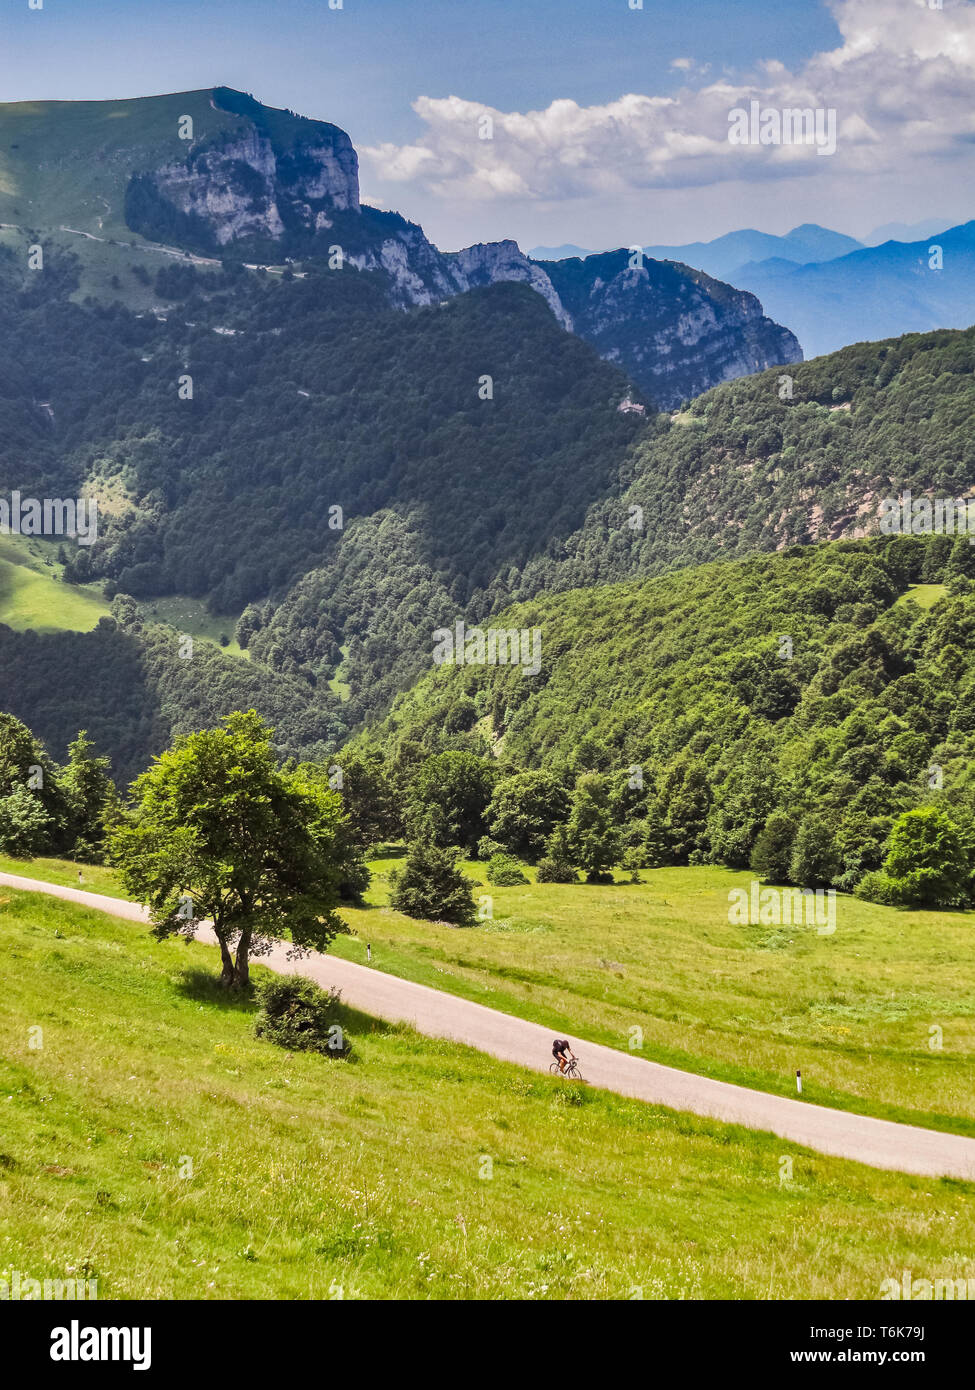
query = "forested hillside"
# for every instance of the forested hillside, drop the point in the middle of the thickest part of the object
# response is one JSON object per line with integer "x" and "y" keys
{"x": 783, "y": 458}
{"x": 348, "y": 477}
{"x": 133, "y": 686}
{"x": 709, "y": 699}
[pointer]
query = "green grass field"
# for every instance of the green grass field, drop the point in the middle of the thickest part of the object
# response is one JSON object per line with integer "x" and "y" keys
{"x": 32, "y": 594}
{"x": 153, "y": 1143}
{"x": 191, "y": 615}
{"x": 924, "y": 595}
{"x": 854, "y": 1011}
{"x": 94, "y": 877}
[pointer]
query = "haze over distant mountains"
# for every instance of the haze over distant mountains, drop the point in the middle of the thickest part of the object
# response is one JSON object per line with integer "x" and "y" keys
{"x": 875, "y": 292}
{"x": 832, "y": 290}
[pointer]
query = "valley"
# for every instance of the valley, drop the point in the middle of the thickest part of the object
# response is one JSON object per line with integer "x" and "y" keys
{"x": 511, "y": 627}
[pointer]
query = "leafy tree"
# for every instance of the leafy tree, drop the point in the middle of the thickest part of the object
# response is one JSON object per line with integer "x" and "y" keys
{"x": 431, "y": 886}
{"x": 26, "y": 767}
{"x": 593, "y": 837}
{"x": 25, "y": 826}
{"x": 685, "y": 800}
{"x": 524, "y": 810}
{"x": 368, "y": 795}
{"x": 655, "y": 847}
{"x": 91, "y": 794}
{"x": 447, "y": 800}
{"x": 218, "y": 831}
{"x": 926, "y": 860}
{"x": 555, "y": 866}
{"x": 813, "y": 863}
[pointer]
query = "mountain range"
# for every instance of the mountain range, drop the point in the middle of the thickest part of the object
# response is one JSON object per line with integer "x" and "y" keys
{"x": 831, "y": 289}
{"x": 876, "y": 292}
{"x": 296, "y": 411}
{"x": 219, "y": 175}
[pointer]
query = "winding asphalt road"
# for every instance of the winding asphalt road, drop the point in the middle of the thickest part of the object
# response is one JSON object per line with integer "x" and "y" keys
{"x": 880, "y": 1143}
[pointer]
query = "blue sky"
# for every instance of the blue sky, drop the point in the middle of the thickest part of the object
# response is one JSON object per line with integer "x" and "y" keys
{"x": 366, "y": 66}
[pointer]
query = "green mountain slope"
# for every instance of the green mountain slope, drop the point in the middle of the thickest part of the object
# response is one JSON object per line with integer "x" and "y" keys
{"x": 792, "y": 682}
{"x": 749, "y": 466}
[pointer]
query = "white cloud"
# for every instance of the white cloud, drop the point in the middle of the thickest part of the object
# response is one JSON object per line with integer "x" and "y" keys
{"x": 902, "y": 83}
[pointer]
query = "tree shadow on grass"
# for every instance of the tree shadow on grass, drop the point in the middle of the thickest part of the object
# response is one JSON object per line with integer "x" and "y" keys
{"x": 204, "y": 986}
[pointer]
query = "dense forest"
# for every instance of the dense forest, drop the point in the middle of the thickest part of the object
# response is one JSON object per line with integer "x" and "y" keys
{"x": 787, "y": 456}
{"x": 807, "y": 685}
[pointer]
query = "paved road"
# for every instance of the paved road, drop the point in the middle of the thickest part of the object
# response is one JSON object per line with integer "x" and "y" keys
{"x": 879, "y": 1143}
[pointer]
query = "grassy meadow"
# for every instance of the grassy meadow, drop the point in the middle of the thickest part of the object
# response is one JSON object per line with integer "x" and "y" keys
{"x": 153, "y": 1143}
{"x": 32, "y": 594}
{"x": 855, "y": 1010}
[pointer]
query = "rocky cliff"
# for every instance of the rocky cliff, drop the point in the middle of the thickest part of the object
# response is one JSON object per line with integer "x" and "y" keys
{"x": 675, "y": 330}
{"x": 279, "y": 185}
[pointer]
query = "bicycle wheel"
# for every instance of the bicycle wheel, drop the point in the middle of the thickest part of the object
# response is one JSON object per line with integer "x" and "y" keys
{"x": 554, "y": 1067}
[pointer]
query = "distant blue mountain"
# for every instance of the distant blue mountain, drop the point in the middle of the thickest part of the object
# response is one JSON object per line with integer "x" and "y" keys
{"x": 558, "y": 253}
{"x": 877, "y": 292}
{"x": 907, "y": 231}
{"x": 723, "y": 256}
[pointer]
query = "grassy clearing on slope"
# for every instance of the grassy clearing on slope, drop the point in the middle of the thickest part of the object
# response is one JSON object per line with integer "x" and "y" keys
{"x": 315, "y": 1179}
{"x": 31, "y": 592}
{"x": 191, "y": 615}
{"x": 924, "y": 595}
{"x": 854, "y": 1011}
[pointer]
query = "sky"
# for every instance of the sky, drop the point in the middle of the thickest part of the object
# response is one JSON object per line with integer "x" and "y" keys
{"x": 608, "y": 119}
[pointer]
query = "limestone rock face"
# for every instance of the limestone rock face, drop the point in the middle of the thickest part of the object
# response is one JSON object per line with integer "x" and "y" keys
{"x": 675, "y": 330}
{"x": 244, "y": 187}
{"x": 487, "y": 263}
{"x": 295, "y": 182}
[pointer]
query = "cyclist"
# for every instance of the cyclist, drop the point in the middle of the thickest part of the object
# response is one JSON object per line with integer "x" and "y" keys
{"x": 560, "y": 1047}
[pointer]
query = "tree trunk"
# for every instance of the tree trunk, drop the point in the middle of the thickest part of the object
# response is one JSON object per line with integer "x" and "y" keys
{"x": 226, "y": 963}
{"x": 241, "y": 977}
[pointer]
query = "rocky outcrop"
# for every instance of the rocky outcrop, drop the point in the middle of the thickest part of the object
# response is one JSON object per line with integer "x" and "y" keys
{"x": 487, "y": 263}
{"x": 253, "y": 185}
{"x": 676, "y": 331}
{"x": 294, "y": 183}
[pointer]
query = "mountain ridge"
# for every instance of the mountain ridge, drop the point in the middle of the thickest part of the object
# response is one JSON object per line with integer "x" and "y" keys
{"x": 215, "y": 172}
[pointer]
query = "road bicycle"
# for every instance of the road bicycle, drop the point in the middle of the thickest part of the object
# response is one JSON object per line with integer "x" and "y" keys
{"x": 571, "y": 1069}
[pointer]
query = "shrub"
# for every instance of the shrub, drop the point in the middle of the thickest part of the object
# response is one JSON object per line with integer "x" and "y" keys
{"x": 555, "y": 871}
{"x": 487, "y": 848}
{"x": 431, "y": 886}
{"x": 504, "y": 871}
{"x": 878, "y": 887}
{"x": 295, "y": 1013}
